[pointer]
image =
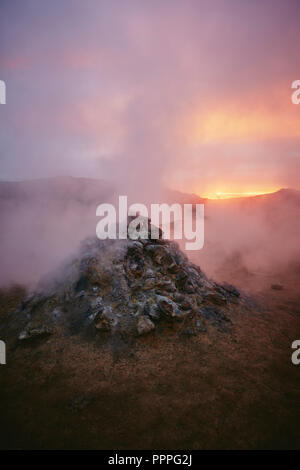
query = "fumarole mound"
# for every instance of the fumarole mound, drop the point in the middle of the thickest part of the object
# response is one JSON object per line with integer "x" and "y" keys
{"x": 121, "y": 289}
{"x": 129, "y": 346}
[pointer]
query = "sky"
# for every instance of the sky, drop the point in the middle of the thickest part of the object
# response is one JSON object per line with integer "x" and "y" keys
{"x": 192, "y": 95}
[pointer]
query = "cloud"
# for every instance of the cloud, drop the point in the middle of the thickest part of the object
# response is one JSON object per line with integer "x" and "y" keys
{"x": 185, "y": 94}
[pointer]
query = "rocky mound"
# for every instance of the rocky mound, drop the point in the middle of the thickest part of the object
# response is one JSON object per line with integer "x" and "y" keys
{"x": 130, "y": 346}
{"x": 124, "y": 289}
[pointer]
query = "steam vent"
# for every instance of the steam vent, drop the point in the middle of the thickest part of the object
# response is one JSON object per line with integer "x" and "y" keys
{"x": 126, "y": 289}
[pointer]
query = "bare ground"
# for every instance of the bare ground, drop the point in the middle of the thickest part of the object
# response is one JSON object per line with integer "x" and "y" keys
{"x": 214, "y": 390}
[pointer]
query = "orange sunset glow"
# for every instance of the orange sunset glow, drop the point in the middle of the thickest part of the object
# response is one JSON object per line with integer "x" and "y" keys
{"x": 242, "y": 123}
{"x": 231, "y": 195}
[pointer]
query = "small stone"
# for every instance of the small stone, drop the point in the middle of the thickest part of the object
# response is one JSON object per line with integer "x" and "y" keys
{"x": 168, "y": 307}
{"x": 104, "y": 320}
{"x": 33, "y": 333}
{"x": 277, "y": 286}
{"x": 149, "y": 273}
{"x": 145, "y": 325}
{"x": 154, "y": 313}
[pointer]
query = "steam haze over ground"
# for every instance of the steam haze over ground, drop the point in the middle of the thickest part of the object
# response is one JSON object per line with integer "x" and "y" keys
{"x": 43, "y": 221}
{"x": 193, "y": 96}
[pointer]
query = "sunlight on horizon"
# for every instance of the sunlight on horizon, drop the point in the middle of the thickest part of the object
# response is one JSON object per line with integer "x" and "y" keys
{"x": 232, "y": 195}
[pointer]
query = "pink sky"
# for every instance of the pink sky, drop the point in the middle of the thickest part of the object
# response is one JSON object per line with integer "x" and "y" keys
{"x": 195, "y": 95}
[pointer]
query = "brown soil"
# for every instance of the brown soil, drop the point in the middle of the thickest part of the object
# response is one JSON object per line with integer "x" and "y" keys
{"x": 214, "y": 390}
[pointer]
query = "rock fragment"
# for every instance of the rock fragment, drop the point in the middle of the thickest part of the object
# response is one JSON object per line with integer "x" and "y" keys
{"x": 145, "y": 325}
{"x": 168, "y": 307}
{"x": 104, "y": 320}
{"x": 31, "y": 333}
{"x": 277, "y": 286}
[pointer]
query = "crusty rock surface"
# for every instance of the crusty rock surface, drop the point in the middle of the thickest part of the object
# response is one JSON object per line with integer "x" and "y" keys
{"x": 126, "y": 288}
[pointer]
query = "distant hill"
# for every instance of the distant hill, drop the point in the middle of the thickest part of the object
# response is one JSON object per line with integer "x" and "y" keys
{"x": 67, "y": 188}
{"x": 90, "y": 190}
